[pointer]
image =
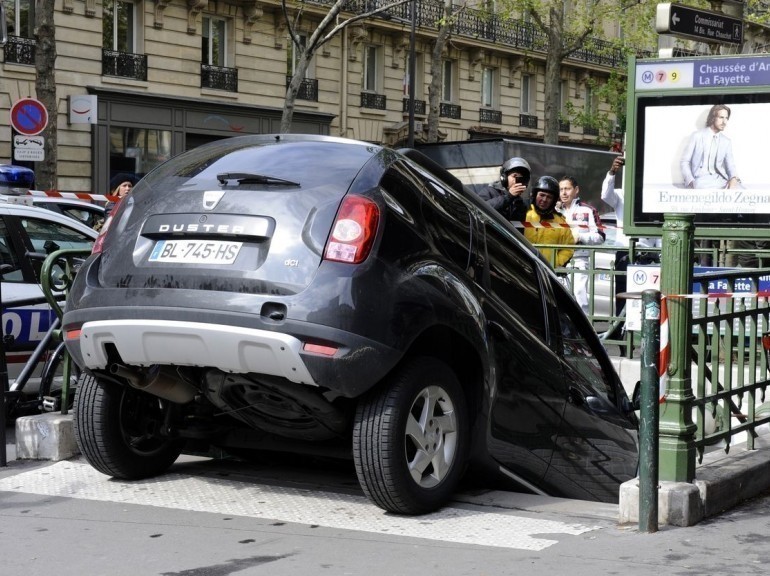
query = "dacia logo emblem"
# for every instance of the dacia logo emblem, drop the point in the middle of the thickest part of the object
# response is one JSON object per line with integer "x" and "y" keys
{"x": 211, "y": 198}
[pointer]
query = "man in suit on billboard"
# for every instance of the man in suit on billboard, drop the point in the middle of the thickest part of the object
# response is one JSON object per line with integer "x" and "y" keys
{"x": 708, "y": 160}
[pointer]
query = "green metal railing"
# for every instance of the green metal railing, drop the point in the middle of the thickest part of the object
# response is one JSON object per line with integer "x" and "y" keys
{"x": 719, "y": 334}
{"x": 56, "y": 276}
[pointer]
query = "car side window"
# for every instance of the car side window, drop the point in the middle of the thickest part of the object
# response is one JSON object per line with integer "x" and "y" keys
{"x": 577, "y": 352}
{"x": 8, "y": 255}
{"x": 47, "y": 236}
{"x": 513, "y": 278}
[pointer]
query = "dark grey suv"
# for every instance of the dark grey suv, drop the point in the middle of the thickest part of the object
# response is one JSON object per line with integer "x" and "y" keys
{"x": 331, "y": 296}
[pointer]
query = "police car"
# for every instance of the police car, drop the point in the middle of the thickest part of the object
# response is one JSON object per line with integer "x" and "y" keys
{"x": 27, "y": 235}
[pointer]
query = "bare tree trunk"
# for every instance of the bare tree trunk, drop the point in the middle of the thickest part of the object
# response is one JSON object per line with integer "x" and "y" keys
{"x": 45, "y": 88}
{"x": 437, "y": 76}
{"x": 553, "y": 61}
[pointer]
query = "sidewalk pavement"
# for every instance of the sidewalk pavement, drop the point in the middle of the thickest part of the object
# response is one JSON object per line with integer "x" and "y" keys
{"x": 722, "y": 480}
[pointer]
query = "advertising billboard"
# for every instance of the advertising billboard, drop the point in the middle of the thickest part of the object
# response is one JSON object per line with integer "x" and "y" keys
{"x": 695, "y": 143}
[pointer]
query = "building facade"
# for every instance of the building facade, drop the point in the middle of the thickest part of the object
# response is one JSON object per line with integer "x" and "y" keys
{"x": 139, "y": 81}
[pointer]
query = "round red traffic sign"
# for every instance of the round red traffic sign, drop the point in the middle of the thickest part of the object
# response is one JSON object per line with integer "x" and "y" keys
{"x": 29, "y": 117}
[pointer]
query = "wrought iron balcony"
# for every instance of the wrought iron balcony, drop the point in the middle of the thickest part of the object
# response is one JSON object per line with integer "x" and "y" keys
{"x": 527, "y": 121}
{"x": 419, "y": 106}
{"x": 563, "y": 126}
{"x": 219, "y": 78}
{"x": 490, "y": 116}
{"x": 450, "y": 111}
{"x": 375, "y": 101}
{"x": 481, "y": 25}
{"x": 20, "y": 50}
{"x": 124, "y": 64}
{"x": 308, "y": 90}
{"x": 590, "y": 131}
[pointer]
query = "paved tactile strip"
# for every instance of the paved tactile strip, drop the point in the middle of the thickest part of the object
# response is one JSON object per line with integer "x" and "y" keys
{"x": 328, "y": 509}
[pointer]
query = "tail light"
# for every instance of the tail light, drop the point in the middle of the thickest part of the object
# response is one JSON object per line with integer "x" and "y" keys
{"x": 99, "y": 242}
{"x": 353, "y": 230}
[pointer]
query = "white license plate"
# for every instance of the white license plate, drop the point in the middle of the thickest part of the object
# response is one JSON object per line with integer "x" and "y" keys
{"x": 195, "y": 251}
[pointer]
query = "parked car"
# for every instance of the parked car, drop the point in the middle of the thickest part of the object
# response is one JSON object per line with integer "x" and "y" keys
{"x": 27, "y": 235}
{"x": 312, "y": 293}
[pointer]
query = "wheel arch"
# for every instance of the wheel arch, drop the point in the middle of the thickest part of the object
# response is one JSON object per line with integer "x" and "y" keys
{"x": 459, "y": 353}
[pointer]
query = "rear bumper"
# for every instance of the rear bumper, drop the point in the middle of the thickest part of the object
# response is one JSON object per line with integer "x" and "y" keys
{"x": 228, "y": 348}
{"x": 145, "y": 336}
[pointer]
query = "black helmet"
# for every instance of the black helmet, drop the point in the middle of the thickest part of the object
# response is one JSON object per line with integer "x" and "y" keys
{"x": 515, "y": 163}
{"x": 546, "y": 184}
{"x": 551, "y": 186}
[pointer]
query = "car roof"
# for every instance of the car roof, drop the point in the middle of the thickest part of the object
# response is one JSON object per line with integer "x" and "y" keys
{"x": 22, "y": 210}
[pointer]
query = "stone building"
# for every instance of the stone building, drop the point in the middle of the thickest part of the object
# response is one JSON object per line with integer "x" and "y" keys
{"x": 139, "y": 81}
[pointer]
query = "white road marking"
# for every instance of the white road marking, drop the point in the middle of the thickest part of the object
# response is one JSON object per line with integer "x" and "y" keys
{"x": 232, "y": 497}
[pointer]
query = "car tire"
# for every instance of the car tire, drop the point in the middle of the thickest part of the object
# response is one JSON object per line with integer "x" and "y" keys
{"x": 117, "y": 429}
{"x": 411, "y": 438}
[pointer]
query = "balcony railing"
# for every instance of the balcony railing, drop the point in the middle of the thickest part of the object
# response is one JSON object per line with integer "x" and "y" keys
{"x": 124, "y": 64}
{"x": 308, "y": 90}
{"x": 527, "y": 121}
{"x": 452, "y": 111}
{"x": 419, "y": 106}
{"x": 375, "y": 101}
{"x": 590, "y": 131}
{"x": 481, "y": 25}
{"x": 563, "y": 126}
{"x": 490, "y": 116}
{"x": 20, "y": 50}
{"x": 219, "y": 78}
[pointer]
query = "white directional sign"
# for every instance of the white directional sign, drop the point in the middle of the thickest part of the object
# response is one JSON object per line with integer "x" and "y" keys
{"x": 698, "y": 24}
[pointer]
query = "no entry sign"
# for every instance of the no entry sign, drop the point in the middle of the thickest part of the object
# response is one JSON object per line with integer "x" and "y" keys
{"x": 29, "y": 117}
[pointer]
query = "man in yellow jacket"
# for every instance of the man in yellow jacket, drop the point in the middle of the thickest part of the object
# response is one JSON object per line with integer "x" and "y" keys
{"x": 543, "y": 225}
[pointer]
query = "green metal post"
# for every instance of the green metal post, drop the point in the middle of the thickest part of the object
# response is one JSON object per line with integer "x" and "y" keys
{"x": 677, "y": 441}
{"x": 648, "y": 425}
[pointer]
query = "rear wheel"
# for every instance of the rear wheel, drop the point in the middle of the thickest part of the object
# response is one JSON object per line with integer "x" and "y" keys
{"x": 119, "y": 430}
{"x": 411, "y": 438}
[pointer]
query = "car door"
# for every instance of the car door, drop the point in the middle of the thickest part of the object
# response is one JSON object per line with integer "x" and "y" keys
{"x": 27, "y": 235}
{"x": 596, "y": 449}
{"x": 526, "y": 403}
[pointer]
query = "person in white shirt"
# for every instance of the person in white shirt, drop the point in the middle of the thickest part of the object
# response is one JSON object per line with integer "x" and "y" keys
{"x": 615, "y": 198}
{"x": 586, "y": 227}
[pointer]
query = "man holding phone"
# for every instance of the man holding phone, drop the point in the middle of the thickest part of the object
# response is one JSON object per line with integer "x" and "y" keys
{"x": 505, "y": 195}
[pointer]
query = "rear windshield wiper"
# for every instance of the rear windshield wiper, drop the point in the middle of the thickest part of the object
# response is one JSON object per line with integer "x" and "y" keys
{"x": 247, "y": 178}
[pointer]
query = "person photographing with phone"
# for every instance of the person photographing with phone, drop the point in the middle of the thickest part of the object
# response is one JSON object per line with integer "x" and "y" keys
{"x": 506, "y": 195}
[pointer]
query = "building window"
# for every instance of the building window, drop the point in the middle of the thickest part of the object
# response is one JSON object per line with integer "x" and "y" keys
{"x": 372, "y": 69}
{"x": 214, "y": 42}
{"x": 120, "y": 41}
{"x": 20, "y": 17}
{"x": 119, "y": 26}
{"x": 488, "y": 86}
{"x": 293, "y": 55}
{"x": 20, "y": 20}
{"x": 138, "y": 150}
{"x": 527, "y": 94}
{"x": 563, "y": 100}
{"x": 448, "y": 81}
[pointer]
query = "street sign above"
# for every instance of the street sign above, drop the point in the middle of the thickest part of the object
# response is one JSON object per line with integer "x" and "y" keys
{"x": 698, "y": 24}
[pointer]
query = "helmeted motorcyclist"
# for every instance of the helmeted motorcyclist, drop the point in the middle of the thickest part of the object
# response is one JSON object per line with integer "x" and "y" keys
{"x": 506, "y": 195}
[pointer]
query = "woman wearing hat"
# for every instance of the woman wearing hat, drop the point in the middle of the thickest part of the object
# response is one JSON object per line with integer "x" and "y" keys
{"x": 120, "y": 186}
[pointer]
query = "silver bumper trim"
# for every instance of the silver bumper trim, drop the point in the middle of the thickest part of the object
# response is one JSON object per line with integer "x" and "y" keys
{"x": 228, "y": 348}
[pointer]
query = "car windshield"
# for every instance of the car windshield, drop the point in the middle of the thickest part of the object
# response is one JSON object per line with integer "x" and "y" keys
{"x": 201, "y": 168}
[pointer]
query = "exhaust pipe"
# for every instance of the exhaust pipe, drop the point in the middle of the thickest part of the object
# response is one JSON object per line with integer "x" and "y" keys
{"x": 161, "y": 382}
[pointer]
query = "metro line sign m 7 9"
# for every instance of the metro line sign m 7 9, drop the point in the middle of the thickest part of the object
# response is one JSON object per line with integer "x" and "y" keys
{"x": 698, "y": 24}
